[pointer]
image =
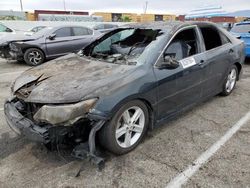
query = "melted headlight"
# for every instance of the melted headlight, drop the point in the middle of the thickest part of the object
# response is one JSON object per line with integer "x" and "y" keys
{"x": 64, "y": 114}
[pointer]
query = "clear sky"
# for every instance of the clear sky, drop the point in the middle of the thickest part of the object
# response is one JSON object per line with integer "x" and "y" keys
{"x": 136, "y": 6}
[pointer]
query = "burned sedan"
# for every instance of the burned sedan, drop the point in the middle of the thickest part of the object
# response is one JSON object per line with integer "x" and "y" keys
{"x": 128, "y": 81}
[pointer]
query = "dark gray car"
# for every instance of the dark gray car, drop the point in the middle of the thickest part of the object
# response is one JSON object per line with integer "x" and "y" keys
{"x": 130, "y": 80}
{"x": 51, "y": 42}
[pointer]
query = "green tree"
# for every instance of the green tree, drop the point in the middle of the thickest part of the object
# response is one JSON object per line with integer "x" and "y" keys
{"x": 126, "y": 19}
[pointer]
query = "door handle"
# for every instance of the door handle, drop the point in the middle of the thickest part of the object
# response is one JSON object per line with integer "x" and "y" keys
{"x": 201, "y": 62}
{"x": 231, "y": 51}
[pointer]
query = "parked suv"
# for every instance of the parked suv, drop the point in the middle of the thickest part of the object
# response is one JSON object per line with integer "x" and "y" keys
{"x": 51, "y": 42}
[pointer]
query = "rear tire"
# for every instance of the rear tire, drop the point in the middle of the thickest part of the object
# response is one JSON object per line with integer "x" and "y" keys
{"x": 230, "y": 81}
{"x": 126, "y": 129}
{"x": 34, "y": 56}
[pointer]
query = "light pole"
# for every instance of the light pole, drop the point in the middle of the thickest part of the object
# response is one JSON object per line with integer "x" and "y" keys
{"x": 21, "y": 4}
{"x": 145, "y": 7}
{"x": 64, "y": 5}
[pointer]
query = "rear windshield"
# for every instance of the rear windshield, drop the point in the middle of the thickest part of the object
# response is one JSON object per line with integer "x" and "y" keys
{"x": 241, "y": 28}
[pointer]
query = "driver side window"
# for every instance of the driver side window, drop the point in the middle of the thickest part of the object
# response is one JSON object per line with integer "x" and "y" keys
{"x": 183, "y": 45}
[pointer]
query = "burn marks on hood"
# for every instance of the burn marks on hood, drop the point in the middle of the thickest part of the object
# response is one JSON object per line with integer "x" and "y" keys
{"x": 69, "y": 79}
{"x": 23, "y": 91}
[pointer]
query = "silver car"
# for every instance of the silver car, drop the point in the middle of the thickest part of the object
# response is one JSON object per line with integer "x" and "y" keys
{"x": 51, "y": 42}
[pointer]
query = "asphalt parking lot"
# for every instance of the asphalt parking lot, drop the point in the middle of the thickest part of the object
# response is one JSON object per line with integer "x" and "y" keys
{"x": 164, "y": 154}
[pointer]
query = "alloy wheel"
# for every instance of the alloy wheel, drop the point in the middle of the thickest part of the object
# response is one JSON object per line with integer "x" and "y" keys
{"x": 231, "y": 80}
{"x": 35, "y": 57}
{"x": 130, "y": 127}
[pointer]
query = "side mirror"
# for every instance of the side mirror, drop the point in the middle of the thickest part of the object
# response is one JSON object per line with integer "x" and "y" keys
{"x": 169, "y": 62}
{"x": 52, "y": 36}
{"x": 238, "y": 37}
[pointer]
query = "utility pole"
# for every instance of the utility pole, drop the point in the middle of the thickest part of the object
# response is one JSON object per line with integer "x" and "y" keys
{"x": 146, "y": 7}
{"x": 21, "y": 4}
{"x": 64, "y": 5}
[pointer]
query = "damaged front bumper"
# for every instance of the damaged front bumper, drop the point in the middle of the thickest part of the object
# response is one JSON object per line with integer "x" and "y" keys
{"x": 24, "y": 126}
{"x": 49, "y": 134}
{"x": 4, "y": 51}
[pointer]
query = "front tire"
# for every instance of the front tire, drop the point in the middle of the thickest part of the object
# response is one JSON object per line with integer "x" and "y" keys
{"x": 230, "y": 81}
{"x": 126, "y": 129}
{"x": 34, "y": 56}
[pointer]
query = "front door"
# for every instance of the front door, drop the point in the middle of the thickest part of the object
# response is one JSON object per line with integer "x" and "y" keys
{"x": 181, "y": 86}
{"x": 61, "y": 43}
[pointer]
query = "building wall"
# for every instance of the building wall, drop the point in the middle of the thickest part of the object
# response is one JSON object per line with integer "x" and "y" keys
{"x": 30, "y": 16}
{"x": 107, "y": 17}
{"x": 147, "y": 17}
{"x": 37, "y": 12}
{"x": 181, "y": 18}
{"x": 152, "y": 17}
{"x": 168, "y": 17}
{"x": 240, "y": 19}
{"x": 218, "y": 19}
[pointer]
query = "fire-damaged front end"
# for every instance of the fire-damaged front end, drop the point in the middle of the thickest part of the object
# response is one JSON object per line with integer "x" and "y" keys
{"x": 55, "y": 125}
{"x": 50, "y": 124}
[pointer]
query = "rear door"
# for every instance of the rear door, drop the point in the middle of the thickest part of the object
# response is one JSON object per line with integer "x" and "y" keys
{"x": 61, "y": 44}
{"x": 218, "y": 56}
{"x": 82, "y": 37}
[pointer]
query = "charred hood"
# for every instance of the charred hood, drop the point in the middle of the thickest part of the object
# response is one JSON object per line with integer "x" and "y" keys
{"x": 70, "y": 79}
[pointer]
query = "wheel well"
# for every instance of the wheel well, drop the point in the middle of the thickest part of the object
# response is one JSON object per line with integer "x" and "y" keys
{"x": 151, "y": 113}
{"x": 25, "y": 49}
{"x": 239, "y": 67}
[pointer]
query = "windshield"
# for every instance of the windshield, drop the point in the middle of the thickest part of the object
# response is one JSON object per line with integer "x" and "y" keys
{"x": 42, "y": 32}
{"x": 124, "y": 46}
{"x": 241, "y": 28}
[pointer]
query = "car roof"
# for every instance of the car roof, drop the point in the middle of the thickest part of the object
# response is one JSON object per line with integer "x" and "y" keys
{"x": 167, "y": 25}
{"x": 60, "y": 26}
{"x": 242, "y": 23}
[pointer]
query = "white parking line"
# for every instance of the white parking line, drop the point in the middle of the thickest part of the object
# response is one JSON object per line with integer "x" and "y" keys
{"x": 1, "y": 109}
{"x": 183, "y": 177}
{"x": 10, "y": 73}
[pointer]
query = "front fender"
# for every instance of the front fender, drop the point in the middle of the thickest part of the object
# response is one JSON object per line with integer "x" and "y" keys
{"x": 143, "y": 88}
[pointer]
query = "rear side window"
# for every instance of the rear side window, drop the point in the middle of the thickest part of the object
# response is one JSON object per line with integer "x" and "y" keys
{"x": 241, "y": 28}
{"x": 108, "y": 26}
{"x": 80, "y": 31}
{"x": 63, "y": 32}
{"x": 224, "y": 38}
{"x": 211, "y": 37}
